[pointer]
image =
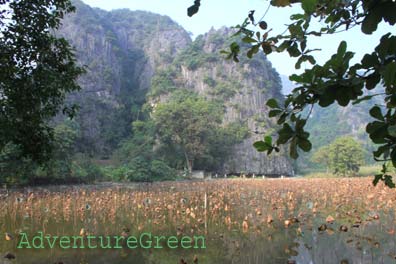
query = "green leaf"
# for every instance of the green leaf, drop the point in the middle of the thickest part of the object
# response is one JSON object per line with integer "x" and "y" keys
{"x": 282, "y": 119}
{"x": 369, "y": 60}
{"x": 372, "y": 80}
{"x": 327, "y": 98}
{"x": 300, "y": 123}
{"x": 392, "y": 130}
{"x": 272, "y": 103}
{"x": 342, "y": 48}
{"x": 371, "y": 21}
{"x": 304, "y": 144}
{"x": 258, "y": 35}
{"x": 309, "y": 6}
{"x": 234, "y": 47}
{"x": 261, "y": 146}
{"x": 388, "y": 181}
{"x": 293, "y": 149}
{"x": 266, "y": 47}
{"x": 388, "y": 12}
{"x": 377, "y": 131}
{"x": 252, "y": 51}
{"x": 268, "y": 140}
{"x": 382, "y": 150}
{"x": 274, "y": 112}
{"x": 285, "y": 45}
{"x": 296, "y": 78}
{"x": 280, "y": 2}
{"x": 299, "y": 61}
{"x": 293, "y": 50}
{"x": 311, "y": 59}
{"x": 285, "y": 134}
{"x": 390, "y": 74}
{"x": 297, "y": 16}
{"x": 296, "y": 30}
{"x": 192, "y": 10}
{"x": 377, "y": 178}
{"x": 376, "y": 113}
{"x": 248, "y": 39}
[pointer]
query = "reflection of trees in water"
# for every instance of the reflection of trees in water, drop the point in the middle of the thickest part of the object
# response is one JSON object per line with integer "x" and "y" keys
{"x": 368, "y": 243}
{"x": 267, "y": 245}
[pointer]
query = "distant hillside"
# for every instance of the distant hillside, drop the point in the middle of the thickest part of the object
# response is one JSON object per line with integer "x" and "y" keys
{"x": 327, "y": 124}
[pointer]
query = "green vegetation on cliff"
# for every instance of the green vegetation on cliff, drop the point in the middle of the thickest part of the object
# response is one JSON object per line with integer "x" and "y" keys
{"x": 137, "y": 63}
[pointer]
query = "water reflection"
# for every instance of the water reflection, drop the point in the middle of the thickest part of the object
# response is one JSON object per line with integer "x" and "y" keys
{"x": 242, "y": 223}
{"x": 363, "y": 244}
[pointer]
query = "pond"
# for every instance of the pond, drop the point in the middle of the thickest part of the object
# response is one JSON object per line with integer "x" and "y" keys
{"x": 218, "y": 221}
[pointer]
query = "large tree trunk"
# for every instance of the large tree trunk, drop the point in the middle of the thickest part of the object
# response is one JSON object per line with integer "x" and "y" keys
{"x": 189, "y": 163}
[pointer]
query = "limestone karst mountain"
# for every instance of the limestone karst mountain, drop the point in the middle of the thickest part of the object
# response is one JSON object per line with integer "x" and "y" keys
{"x": 124, "y": 51}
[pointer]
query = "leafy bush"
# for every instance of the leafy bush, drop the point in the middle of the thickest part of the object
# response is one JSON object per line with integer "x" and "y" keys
{"x": 13, "y": 169}
{"x": 139, "y": 170}
{"x": 161, "y": 171}
{"x": 162, "y": 82}
{"x": 83, "y": 168}
{"x": 117, "y": 173}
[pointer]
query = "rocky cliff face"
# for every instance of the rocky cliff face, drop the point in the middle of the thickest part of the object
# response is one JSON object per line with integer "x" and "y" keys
{"x": 134, "y": 56}
{"x": 243, "y": 88}
{"x": 121, "y": 50}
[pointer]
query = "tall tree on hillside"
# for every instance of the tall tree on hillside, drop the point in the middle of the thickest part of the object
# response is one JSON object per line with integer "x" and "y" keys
{"x": 37, "y": 70}
{"x": 188, "y": 121}
{"x": 336, "y": 80}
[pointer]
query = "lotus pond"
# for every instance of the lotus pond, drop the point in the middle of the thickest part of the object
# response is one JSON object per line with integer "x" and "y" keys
{"x": 243, "y": 221}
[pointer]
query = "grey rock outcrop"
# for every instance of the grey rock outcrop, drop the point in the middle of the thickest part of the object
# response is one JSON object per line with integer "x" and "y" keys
{"x": 123, "y": 50}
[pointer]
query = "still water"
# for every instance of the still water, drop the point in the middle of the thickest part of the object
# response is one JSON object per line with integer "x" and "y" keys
{"x": 241, "y": 221}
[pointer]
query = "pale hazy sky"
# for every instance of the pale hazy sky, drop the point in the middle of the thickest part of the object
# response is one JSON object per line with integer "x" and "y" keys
{"x": 218, "y": 13}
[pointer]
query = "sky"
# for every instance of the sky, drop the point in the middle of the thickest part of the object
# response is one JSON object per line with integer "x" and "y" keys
{"x": 218, "y": 13}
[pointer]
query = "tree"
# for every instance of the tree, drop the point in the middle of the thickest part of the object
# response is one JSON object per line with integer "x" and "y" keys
{"x": 138, "y": 159}
{"x": 343, "y": 156}
{"x": 15, "y": 170}
{"x": 187, "y": 121}
{"x": 337, "y": 81}
{"x": 37, "y": 70}
{"x": 60, "y": 163}
{"x": 321, "y": 156}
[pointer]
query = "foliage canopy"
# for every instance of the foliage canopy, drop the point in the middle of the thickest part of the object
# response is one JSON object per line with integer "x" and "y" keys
{"x": 37, "y": 70}
{"x": 337, "y": 81}
{"x": 188, "y": 121}
{"x": 343, "y": 156}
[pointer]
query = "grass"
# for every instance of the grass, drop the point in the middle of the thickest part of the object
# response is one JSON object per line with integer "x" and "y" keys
{"x": 320, "y": 175}
{"x": 364, "y": 171}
